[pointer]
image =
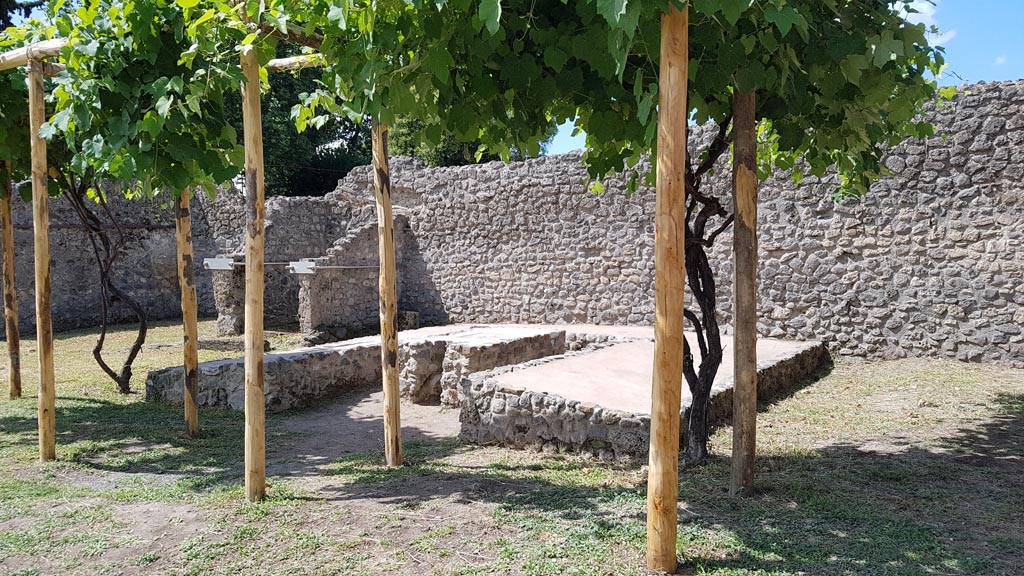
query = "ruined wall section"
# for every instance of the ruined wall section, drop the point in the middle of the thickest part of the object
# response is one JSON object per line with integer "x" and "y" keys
{"x": 929, "y": 263}
{"x": 146, "y": 267}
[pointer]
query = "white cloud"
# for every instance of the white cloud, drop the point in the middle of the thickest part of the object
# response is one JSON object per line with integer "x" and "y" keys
{"x": 1000, "y": 60}
{"x": 925, "y": 14}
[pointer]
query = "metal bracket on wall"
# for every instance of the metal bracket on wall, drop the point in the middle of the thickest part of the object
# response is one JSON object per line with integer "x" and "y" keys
{"x": 309, "y": 267}
{"x": 230, "y": 264}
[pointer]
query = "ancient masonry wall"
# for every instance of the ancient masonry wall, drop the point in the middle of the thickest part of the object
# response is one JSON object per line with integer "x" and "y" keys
{"x": 146, "y": 267}
{"x": 930, "y": 263}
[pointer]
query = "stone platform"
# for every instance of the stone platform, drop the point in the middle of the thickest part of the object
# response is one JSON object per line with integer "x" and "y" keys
{"x": 433, "y": 361}
{"x": 581, "y": 388}
{"x": 597, "y": 400}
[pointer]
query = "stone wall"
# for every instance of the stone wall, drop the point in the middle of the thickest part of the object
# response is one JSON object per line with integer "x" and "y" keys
{"x": 296, "y": 228}
{"x": 434, "y": 361}
{"x": 341, "y": 299}
{"x": 928, "y": 264}
{"x": 338, "y": 229}
{"x": 146, "y": 267}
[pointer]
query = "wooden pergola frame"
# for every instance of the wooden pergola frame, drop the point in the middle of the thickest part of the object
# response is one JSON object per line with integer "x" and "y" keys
{"x": 35, "y": 56}
{"x": 670, "y": 278}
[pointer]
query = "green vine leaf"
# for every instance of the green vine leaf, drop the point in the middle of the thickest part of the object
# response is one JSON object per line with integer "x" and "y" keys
{"x": 490, "y": 13}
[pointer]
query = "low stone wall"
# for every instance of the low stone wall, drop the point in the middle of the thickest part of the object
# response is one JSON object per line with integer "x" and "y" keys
{"x": 431, "y": 361}
{"x": 475, "y": 351}
{"x": 294, "y": 379}
{"x": 495, "y": 413}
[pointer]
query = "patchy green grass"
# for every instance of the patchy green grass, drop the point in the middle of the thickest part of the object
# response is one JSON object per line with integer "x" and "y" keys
{"x": 911, "y": 467}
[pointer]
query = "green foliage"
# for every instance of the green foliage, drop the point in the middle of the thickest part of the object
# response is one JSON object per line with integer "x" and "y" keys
{"x": 406, "y": 138}
{"x": 307, "y": 163}
{"x": 836, "y": 80}
{"x": 14, "y": 135}
{"x": 788, "y": 51}
{"x": 140, "y": 101}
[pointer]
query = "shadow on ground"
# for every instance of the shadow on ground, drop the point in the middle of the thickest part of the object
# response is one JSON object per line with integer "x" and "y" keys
{"x": 886, "y": 508}
{"x": 145, "y": 438}
{"x": 952, "y": 508}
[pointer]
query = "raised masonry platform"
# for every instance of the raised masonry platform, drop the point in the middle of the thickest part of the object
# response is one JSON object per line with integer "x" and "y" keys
{"x": 597, "y": 401}
{"x": 580, "y": 388}
{"x": 433, "y": 362}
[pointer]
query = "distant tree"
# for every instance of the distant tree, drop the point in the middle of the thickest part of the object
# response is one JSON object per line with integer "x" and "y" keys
{"x": 9, "y": 9}
{"x": 310, "y": 163}
{"x": 406, "y": 139}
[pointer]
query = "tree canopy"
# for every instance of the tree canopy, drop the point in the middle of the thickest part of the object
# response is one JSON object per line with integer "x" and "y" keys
{"x": 10, "y": 9}
{"x": 510, "y": 68}
{"x": 836, "y": 80}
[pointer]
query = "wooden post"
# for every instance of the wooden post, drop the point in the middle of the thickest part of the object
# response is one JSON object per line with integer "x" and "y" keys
{"x": 744, "y": 394}
{"x": 40, "y": 225}
{"x": 669, "y": 282}
{"x": 255, "y": 403}
{"x": 388, "y": 298}
{"x": 10, "y": 288}
{"x": 189, "y": 315}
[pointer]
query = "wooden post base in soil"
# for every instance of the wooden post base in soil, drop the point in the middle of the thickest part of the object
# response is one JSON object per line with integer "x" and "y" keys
{"x": 255, "y": 402}
{"x": 41, "y": 225}
{"x": 189, "y": 314}
{"x": 670, "y": 279}
{"x": 10, "y": 288}
{"x": 744, "y": 184}
{"x": 388, "y": 298}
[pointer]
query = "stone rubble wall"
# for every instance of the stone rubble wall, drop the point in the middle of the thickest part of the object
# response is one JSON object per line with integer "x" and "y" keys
{"x": 296, "y": 228}
{"x": 146, "y": 267}
{"x": 294, "y": 379}
{"x": 342, "y": 300}
{"x": 336, "y": 229}
{"x": 929, "y": 263}
{"x": 471, "y": 355}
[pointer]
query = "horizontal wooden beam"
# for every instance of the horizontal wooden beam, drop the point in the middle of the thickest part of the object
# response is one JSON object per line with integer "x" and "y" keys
{"x": 295, "y": 35}
{"x": 38, "y": 51}
{"x": 295, "y": 63}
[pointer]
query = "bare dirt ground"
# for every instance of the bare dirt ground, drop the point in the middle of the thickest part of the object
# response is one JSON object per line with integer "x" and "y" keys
{"x": 353, "y": 424}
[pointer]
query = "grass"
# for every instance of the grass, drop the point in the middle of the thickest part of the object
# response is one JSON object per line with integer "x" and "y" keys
{"x": 910, "y": 467}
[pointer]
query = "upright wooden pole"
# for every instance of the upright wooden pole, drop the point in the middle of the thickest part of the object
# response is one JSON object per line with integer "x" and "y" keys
{"x": 40, "y": 225}
{"x": 189, "y": 315}
{"x": 744, "y": 394}
{"x": 10, "y": 288}
{"x": 388, "y": 298}
{"x": 255, "y": 403}
{"x": 670, "y": 279}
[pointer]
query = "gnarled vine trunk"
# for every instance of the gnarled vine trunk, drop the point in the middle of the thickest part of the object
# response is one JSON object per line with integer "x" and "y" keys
{"x": 702, "y": 210}
{"x": 106, "y": 252}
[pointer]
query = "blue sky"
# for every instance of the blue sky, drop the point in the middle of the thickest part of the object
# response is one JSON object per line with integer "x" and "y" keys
{"x": 984, "y": 40}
